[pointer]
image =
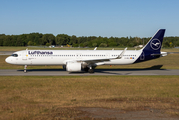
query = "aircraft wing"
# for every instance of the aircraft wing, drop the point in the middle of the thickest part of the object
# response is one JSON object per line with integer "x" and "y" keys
{"x": 94, "y": 60}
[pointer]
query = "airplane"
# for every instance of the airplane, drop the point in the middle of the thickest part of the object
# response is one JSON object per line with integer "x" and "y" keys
{"x": 87, "y": 60}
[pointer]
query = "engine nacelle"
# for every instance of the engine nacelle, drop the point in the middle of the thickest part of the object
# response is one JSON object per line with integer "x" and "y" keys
{"x": 73, "y": 66}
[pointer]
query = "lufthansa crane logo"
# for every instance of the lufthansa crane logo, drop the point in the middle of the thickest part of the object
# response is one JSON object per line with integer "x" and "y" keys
{"x": 155, "y": 44}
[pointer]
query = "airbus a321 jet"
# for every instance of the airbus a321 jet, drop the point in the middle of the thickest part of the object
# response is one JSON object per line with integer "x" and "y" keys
{"x": 87, "y": 60}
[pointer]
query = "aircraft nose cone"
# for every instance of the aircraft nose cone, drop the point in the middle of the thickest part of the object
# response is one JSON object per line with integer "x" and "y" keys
{"x": 7, "y": 60}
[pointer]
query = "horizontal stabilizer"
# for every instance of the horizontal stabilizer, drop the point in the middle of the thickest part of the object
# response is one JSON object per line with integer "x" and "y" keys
{"x": 160, "y": 55}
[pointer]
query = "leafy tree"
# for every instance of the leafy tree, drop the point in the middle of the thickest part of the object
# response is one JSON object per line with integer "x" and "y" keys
{"x": 47, "y": 44}
{"x": 48, "y": 38}
{"x": 85, "y": 44}
{"x": 82, "y": 39}
{"x": 7, "y": 41}
{"x": 90, "y": 44}
{"x": 73, "y": 40}
{"x": 91, "y": 38}
{"x": 176, "y": 43}
{"x": 75, "y": 45}
{"x": 2, "y": 36}
{"x": 166, "y": 43}
{"x": 94, "y": 44}
{"x": 62, "y": 39}
{"x": 112, "y": 44}
{"x": 24, "y": 39}
{"x": 81, "y": 45}
{"x": 91, "y": 41}
{"x": 30, "y": 43}
{"x": 103, "y": 45}
{"x": 19, "y": 41}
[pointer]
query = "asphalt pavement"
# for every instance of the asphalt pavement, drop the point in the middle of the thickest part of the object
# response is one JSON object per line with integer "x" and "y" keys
{"x": 102, "y": 72}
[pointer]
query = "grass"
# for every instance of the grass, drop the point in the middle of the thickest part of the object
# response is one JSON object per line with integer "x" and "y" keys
{"x": 29, "y": 97}
{"x": 38, "y": 97}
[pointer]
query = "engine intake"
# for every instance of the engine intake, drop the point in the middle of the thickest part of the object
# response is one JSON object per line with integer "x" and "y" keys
{"x": 73, "y": 66}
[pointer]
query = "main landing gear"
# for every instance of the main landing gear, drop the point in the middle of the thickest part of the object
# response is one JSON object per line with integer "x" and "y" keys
{"x": 25, "y": 67}
{"x": 90, "y": 70}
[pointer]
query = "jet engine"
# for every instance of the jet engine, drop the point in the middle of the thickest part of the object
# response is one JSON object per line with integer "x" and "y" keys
{"x": 73, "y": 66}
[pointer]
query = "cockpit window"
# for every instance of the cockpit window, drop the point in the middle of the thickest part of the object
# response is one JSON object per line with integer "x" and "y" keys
{"x": 14, "y": 55}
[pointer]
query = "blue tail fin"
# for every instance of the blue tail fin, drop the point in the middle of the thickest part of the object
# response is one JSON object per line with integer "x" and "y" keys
{"x": 152, "y": 49}
{"x": 155, "y": 43}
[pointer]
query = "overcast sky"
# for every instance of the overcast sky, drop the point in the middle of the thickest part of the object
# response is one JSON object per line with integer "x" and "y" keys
{"x": 106, "y": 18}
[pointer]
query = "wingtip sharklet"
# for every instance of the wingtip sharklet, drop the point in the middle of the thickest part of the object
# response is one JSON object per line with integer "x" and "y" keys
{"x": 120, "y": 56}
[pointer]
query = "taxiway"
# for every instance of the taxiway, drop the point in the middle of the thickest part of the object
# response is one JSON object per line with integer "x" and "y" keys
{"x": 61, "y": 72}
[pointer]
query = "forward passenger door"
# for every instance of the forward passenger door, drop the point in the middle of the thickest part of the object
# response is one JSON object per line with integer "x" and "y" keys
{"x": 24, "y": 55}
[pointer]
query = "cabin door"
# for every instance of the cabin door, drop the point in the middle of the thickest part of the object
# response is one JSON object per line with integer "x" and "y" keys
{"x": 24, "y": 55}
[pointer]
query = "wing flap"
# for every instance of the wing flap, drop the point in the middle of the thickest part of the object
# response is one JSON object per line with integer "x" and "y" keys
{"x": 93, "y": 60}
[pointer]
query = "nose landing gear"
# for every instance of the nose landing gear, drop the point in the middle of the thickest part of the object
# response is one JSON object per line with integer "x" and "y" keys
{"x": 25, "y": 67}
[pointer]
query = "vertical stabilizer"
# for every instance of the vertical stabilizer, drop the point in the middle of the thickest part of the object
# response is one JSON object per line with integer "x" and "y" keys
{"x": 152, "y": 49}
{"x": 155, "y": 43}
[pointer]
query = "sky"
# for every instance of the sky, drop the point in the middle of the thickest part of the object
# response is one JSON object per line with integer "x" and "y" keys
{"x": 106, "y": 18}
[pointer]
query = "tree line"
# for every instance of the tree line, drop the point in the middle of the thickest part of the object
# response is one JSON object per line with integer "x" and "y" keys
{"x": 36, "y": 39}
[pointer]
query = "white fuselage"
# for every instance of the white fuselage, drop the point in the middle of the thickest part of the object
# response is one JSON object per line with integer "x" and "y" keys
{"x": 60, "y": 57}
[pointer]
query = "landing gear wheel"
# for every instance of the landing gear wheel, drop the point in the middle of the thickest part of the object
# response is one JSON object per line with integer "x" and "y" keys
{"x": 86, "y": 69}
{"x": 25, "y": 67}
{"x": 91, "y": 71}
{"x": 64, "y": 67}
